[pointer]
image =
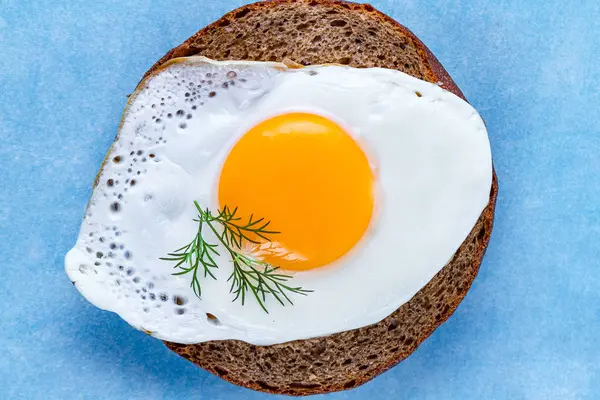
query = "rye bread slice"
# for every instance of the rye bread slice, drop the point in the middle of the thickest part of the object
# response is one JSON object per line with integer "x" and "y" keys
{"x": 320, "y": 32}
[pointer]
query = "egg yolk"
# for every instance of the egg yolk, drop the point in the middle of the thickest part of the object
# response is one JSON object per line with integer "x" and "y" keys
{"x": 310, "y": 179}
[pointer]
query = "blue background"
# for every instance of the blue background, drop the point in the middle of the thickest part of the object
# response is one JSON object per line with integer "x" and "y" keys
{"x": 528, "y": 329}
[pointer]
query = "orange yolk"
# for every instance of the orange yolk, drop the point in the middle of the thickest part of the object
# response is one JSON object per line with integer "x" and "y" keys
{"x": 307, "y": 176}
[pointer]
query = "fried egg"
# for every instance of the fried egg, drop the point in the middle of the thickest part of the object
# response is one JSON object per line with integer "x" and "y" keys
{"x": 372, "y": 179}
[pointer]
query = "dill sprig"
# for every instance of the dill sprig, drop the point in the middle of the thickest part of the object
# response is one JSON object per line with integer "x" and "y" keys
{"x": 261, "y": 279}
{"x": 248, "y": 275}
{"x": 189, "y": 258}
{"x": 234, "y": 232}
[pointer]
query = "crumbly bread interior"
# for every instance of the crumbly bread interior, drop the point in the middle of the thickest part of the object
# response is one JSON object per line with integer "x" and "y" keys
{"x": 319, "y": 32}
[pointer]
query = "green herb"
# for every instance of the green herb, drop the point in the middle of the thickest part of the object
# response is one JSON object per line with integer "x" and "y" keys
{"x": 198, "y": 253}
{"x": 248, "y": 275}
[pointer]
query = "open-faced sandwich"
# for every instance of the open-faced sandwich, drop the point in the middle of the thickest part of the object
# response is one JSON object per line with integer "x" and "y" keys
{"x": 297, "y": 196}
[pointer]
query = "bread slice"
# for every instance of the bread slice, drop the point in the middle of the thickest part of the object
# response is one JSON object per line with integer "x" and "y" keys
{"x": 319, "y": 32}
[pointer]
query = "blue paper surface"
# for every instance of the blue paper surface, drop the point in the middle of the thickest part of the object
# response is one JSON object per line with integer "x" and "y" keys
{"x": 528, "y": 329}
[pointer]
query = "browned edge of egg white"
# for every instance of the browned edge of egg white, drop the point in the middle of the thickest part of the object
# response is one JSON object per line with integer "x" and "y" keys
{"x": 436, "y": 74}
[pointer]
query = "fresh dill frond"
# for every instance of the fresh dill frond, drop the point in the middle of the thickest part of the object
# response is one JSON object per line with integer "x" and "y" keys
{"x": 261, "y": 279}
{"x": 189, "y": 258}
{"x": 234, "y": 232}
{"x": 248, "y": 275}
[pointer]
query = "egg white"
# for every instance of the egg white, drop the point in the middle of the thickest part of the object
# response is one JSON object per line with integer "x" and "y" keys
{"x": 429, "y": 148}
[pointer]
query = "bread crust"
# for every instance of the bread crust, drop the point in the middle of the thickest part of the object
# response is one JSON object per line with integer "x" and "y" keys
{"x": 263, "y": 368}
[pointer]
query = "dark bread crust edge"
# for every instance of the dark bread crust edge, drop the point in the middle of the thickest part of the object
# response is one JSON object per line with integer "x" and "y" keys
{"x": 482, "y": 229}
